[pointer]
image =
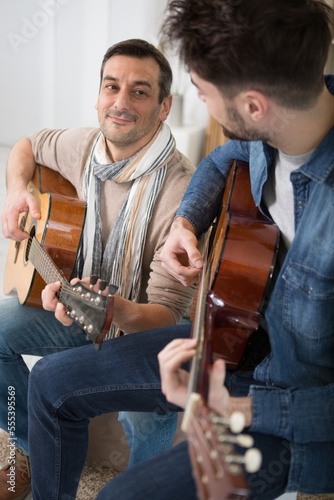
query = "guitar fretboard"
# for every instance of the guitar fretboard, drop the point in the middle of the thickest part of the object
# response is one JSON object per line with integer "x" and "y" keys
{"x": 43, "y": 263}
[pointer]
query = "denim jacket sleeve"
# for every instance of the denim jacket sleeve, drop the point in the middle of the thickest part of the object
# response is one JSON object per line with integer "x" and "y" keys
{"x": 202, "y": 199}
{"x": 301, "y": 416}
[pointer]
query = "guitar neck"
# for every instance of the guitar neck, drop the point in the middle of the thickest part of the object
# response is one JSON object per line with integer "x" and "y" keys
{"x": 196, "y": 378}
{"x": 91, "y": 310}
{"x": 43, "y": 263}
{"x": 198, "y": 330}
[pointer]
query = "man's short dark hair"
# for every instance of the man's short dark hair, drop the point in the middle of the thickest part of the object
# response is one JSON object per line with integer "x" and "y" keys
{"x": 278, "y": 47}
{"x": 142, "y": 50}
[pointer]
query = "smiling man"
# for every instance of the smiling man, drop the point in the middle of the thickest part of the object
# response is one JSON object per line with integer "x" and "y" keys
{"x": 133, "y": 179}
{"x": 259, "y": 68}
{"x": 130, "y": 106}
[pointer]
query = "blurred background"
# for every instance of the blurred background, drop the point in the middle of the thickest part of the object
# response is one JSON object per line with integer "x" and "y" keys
{"x": 50, "y": 57}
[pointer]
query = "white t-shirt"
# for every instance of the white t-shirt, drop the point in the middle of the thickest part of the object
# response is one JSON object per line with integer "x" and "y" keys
{"x": 278, "y": 193}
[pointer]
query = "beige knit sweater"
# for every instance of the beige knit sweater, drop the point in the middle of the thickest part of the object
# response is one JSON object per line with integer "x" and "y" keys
{"x": 67, "y": 152}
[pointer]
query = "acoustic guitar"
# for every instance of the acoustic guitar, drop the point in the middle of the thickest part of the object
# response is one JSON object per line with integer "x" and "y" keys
{"x": 232, "y": 296}
{"x": 52, "y": 246}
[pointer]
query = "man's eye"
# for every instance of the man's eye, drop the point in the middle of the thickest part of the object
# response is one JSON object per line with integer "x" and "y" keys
{"x": 140, "y": 93}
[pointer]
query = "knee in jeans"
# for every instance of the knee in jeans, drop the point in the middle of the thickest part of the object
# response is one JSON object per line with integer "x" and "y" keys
{"x": 40, "y": 379}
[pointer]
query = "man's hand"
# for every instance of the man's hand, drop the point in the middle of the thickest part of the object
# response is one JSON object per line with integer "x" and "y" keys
{"x": 17, "y": 202}
{"x": 20, "y": 170}
{"x": 180, "y": 256}
{"x": 219, "y": 398}
{"x": 174, "y": 380}
{"x": 51, "y": 303}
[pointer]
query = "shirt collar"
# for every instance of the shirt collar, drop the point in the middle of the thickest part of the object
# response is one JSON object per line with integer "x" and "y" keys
{"x": 321, "y": 163}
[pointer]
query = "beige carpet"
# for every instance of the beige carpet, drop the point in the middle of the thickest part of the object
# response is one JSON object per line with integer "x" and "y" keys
{"x": 92, "y": 479}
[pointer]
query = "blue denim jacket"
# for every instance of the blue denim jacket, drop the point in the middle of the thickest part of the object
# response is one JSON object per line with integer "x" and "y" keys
{"x": 297, "y": 400}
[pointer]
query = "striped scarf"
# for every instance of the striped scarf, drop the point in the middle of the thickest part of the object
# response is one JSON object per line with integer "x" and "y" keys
{"x": 121, "y": 261}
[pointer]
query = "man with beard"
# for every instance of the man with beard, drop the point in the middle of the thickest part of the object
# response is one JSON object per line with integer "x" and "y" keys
{"x": 259, "y": 67}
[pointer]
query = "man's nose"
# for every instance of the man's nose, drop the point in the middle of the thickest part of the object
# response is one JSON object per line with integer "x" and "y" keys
{"x": 122, "y": 101}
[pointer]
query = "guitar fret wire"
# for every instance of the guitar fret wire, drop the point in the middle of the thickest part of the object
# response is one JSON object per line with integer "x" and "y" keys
{"x": 36, "y": 250}
{"x": 46, "y": 267}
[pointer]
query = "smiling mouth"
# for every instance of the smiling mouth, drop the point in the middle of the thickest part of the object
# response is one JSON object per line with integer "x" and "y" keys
{"x": 121, "y": 120}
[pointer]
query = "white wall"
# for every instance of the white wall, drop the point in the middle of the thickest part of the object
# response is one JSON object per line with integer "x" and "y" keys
{"x": 50, "y": 56}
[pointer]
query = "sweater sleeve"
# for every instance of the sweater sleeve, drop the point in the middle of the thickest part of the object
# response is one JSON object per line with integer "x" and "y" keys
{"x": 162, "y": 288}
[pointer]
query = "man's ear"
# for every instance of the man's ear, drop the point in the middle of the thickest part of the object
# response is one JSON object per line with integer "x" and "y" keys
{"x": 165, "y": 107}
{"x": 255, "y": 105}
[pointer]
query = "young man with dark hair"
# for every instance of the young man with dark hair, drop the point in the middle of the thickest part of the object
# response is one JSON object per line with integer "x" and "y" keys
{"x": 259, "y": 68}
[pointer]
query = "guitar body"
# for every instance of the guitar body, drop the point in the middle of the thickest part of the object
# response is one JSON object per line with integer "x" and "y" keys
{"x": 231, "y": 301}
{"x": 242, "y": 262}
{"x": 58, "y": 231}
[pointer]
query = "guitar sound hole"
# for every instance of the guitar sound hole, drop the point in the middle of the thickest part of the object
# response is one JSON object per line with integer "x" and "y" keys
{"x": 28, "y": 244}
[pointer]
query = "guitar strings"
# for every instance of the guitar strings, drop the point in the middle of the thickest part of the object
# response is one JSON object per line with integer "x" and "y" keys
{"x": 49, "y": 271}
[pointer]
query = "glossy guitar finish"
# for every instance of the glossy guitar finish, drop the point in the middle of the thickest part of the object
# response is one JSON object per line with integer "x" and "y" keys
{"x": 58, "y": 231}
{"x": 231, "y": 299}
{"x": 53, "y": 245}
{"x": 242, "y": 263}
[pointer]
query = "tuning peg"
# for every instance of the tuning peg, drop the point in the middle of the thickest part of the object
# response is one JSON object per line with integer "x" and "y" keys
{"x": 243, "y": 440}
{"x": 102, "y": 285}
{"x": 236, "y": 421}
{"x": 252, "y": 460}
{"x": 112, "y": 289}
{"x": 93, "y": 280}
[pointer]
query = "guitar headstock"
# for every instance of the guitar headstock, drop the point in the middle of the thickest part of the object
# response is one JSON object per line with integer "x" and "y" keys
{"x": 92, "y": 311}
{"x": 218, "y": 466}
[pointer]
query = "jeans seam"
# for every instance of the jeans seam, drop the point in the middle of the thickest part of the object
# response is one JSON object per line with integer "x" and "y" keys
{"x": 57, "y": 458}
{"x": 97, "y": 390}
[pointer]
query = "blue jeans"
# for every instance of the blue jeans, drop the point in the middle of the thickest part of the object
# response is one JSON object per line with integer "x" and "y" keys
{"x": 169, "y": 475}
{"x": 27, "y": 330}
{"x": 147, "y": 433}
{"x": 69, "y": 388}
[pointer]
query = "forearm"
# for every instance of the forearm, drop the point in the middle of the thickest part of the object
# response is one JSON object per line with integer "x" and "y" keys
{"x": 219, "y": 399}
{"x": 132, "y": 317}
{"x": 182, "y": 222}
{"x": 20, "y": 165}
